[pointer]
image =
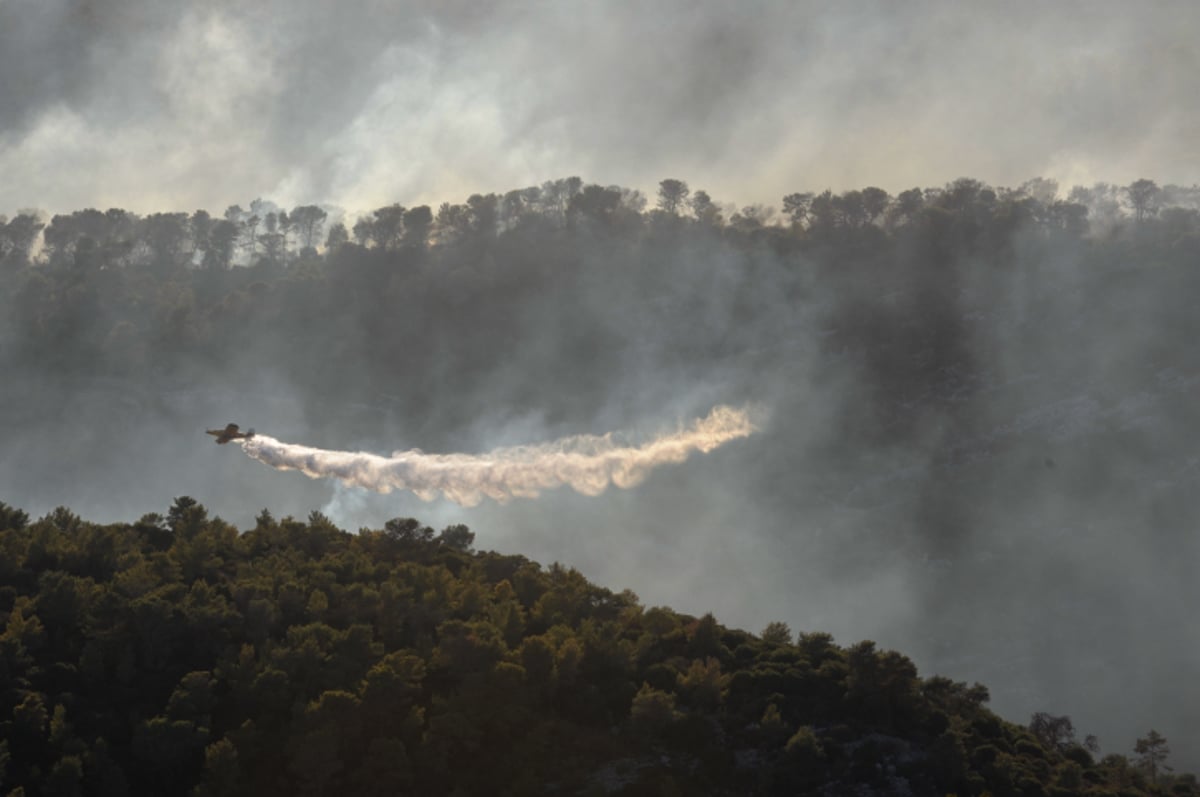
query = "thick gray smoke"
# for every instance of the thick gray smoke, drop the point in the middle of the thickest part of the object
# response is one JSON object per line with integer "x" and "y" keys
{"x": 586, "y": 463}
{"x": 157, "y": 106}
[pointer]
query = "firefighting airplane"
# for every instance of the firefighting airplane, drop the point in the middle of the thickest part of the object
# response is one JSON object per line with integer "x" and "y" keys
{"x": 230, "y": 432}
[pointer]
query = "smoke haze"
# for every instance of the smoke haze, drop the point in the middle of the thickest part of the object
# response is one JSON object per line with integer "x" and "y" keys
{"x": 172, "y": 106}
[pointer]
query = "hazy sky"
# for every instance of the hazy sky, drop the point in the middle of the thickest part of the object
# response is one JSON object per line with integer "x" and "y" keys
{"x": 152, "y": 105}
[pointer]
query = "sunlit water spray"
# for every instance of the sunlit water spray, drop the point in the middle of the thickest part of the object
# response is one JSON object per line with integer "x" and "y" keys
{"x": 586, "y": 463}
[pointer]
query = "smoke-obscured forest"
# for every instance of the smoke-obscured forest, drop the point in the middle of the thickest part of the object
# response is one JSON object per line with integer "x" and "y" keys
{"x": 977, "y": 434}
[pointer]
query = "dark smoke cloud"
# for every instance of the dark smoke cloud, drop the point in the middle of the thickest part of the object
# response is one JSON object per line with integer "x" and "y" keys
{"x": 169, "y": 105}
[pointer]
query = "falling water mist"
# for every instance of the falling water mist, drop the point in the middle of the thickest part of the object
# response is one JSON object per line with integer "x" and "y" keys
{"x": 586, "y": 463}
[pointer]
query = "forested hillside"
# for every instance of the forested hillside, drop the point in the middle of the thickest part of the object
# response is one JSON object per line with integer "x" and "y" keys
{"x": 406, "y": 292}
{"x": 178, "y": 656}
{"x": 979, "y": 423}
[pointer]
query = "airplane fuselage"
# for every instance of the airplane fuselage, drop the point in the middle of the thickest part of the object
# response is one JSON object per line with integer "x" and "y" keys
{"x": 230, "y": 432}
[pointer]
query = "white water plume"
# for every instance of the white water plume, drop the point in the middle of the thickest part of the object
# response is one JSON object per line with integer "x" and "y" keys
{"x": 586, "y": 463}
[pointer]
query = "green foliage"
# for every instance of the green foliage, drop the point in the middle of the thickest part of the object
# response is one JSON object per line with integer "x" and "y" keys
{"x": 11, "y": 518}
{"x": 804, "y": 747}
{"x": 220, "y": 769}
{"x": 64, "y": 778}
{"x": 180, "y": 657}
{"x": 702, "y": 684}
{"x": 1152, "y": 752}
{"x": 652, "y": 711}
{"x": 777, "y": 633}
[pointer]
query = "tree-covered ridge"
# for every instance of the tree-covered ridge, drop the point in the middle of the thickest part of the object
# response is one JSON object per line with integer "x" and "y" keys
{"x": 96, "y": 239}
{"x": 176, "y": 655}
{"x": 168, "y": 296}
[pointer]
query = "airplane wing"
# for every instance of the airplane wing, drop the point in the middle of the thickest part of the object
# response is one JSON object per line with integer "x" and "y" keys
{"x": 230, "y": 432}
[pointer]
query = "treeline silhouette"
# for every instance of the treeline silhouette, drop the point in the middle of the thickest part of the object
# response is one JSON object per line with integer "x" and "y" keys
{"x": 405, "y": 305}
{"x": 177, "y": 655}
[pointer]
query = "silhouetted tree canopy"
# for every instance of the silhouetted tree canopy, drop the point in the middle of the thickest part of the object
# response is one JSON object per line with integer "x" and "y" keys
{"x": 297, "y": 658}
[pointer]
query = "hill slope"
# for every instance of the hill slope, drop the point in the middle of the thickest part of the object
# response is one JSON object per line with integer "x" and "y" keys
{"x": 176, "y": 655}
